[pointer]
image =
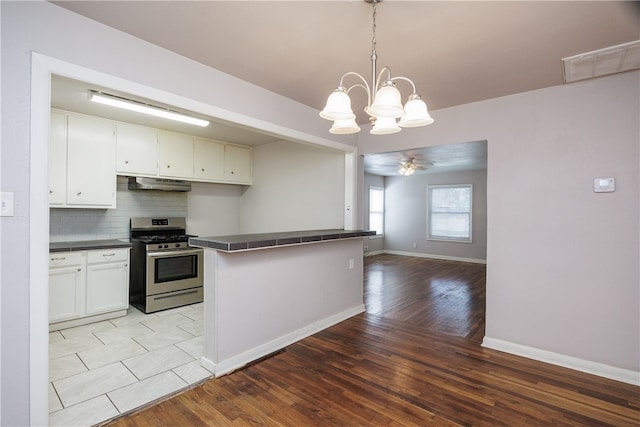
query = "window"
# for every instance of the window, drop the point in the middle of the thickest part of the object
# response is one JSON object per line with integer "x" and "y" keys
{"x": 376, "y": 210}
{"x": 449, "y": 212}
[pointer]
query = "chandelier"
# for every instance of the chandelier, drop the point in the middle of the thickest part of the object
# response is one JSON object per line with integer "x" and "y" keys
{"x": 384, "y": 105}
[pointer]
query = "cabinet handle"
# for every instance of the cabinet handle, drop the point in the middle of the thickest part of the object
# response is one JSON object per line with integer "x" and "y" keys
{"x": 50, "y": 191}
{"x": 58, "y": 258}
{"x": 126, "y": 162}
{"x": 79, "y": 269}
{"x": 108, "y": 255}
{"x": 202, "y": 169}
{"x": 168, "y": 166}
{"x": 79, "y": 193}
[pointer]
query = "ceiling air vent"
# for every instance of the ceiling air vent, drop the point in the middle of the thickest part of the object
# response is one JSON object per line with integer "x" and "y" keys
{"x": 610, "y": 60}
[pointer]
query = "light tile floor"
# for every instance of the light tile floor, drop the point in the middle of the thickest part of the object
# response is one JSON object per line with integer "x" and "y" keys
{"x": 104, "y": 369}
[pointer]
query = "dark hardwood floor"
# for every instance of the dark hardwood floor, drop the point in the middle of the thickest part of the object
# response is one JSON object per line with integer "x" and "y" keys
{"x": 441, "y": 296}
{"x": 414, "y": 359}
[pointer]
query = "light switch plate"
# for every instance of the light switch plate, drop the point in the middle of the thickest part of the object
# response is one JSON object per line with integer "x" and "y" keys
{"x": 7, "y": 204}
{"x": 604, "y": 185}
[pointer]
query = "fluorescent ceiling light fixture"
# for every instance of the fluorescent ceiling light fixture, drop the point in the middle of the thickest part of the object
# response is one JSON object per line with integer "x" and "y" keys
{"x": 384, "y": 105}
{"x": 602, "y": 62}
{"x": 140, "y": 107}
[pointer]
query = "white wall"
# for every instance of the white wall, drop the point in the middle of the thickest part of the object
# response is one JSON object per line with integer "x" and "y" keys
{"x": 214, "y": 209}
{"x": 562, "y": 261}
{"x": 406, "y": 215}
{"x": 295, "y": 187}
{"x": 146, "y": 70}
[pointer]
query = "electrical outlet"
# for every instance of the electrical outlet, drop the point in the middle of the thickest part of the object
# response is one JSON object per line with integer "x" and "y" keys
{"x": 7, "y": 204}
{"x": 415, "y": 245}
{"x": 351, "y": 263}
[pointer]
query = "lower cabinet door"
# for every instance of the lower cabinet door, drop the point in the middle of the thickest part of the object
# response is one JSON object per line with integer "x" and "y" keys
{"x": 107, "y": 288}
{"x": 65, "y": 293}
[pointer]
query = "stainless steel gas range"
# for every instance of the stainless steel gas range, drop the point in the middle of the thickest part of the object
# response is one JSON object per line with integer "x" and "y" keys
{"x": 165, "y": 272}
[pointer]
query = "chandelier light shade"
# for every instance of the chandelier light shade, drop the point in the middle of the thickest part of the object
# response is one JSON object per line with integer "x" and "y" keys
{"x": 338, "y": 106}
{"x": 415, "y": 113}
{"x": 384, "y": 105}
{"x": 387, "y": 102}
{"x": 345, "y": 127}
{"x": 385, "y": 126}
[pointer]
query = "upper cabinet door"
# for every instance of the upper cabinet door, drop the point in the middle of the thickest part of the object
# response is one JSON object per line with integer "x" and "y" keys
{"x": 237, "y": 164}
{"x": 175, "y": 155}
{"x": 208, "y": 160}
{"x": 58, "y": 159}
{"x": 136, "y": 150}
{"x": 91, "y": 162}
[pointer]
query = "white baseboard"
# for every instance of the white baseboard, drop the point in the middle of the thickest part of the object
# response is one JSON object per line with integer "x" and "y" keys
{"x": 371, "y": 253}
{"x": 242, "y": 359}
{"x": 600, "y": 369}
{"x": 433, "y": 256}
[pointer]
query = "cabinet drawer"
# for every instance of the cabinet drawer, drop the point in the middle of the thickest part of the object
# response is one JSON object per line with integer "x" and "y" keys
{"x": 63, "y": 259}
{"x": 107, "y": 255}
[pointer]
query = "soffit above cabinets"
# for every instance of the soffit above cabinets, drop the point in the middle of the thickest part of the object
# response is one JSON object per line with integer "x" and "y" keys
{"x": 73, "y": 95}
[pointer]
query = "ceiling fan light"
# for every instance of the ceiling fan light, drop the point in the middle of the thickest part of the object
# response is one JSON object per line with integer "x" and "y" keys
{"x": 415, "y": 113}
{"x": 387, "y": 103}
{"x": 338, "y": 106}
{"x": 344, "y": 127}
{"x": 407, "y": 169}
{"x": 385, "y": 126}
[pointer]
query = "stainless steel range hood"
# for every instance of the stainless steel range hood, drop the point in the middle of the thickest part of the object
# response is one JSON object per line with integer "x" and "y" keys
{"x": 161, "y": 184}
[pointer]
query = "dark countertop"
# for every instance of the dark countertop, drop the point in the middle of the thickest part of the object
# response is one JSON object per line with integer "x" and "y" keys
{"x": 87, "y": 245}
{"x": 241, "y": 242}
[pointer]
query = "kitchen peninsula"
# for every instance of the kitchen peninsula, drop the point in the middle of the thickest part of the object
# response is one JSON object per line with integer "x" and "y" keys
{"x": 266, "y": 291}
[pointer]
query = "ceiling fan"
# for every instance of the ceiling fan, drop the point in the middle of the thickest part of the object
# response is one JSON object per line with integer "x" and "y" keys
{"x": 411, "y": 165}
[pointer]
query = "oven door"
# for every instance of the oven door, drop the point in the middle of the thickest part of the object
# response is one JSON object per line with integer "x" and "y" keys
{"x": 174, "y": 270}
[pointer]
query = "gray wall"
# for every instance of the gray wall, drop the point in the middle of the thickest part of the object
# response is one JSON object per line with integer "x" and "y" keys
{"x": 562, "y": 261}
{"x": 406, "y": 215}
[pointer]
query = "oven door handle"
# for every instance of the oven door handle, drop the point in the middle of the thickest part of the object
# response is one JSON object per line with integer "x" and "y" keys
{"x": 180, "y": 252}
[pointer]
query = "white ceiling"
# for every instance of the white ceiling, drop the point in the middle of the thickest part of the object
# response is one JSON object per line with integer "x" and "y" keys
{"x": 456, "y": 52}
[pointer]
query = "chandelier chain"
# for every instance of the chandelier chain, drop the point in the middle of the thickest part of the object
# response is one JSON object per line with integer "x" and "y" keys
{"x": 373, "y": 28}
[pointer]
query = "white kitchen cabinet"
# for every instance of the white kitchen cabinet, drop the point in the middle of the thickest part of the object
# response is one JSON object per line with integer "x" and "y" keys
{"x": 175, "y": 155}
{"x": 91, "y": 159}
{"x": 66, "y": 285}
{"x": 87, "y": 286}
{"x": 58, "y": 159}
{"x": 82, "y": 162}
{"x": 107, "y": 287}
{"x": 208, "y": 160}
{"x": 136, "y": 150}
{"x": 237, "y": 164}
{"x": 87, "y": 153}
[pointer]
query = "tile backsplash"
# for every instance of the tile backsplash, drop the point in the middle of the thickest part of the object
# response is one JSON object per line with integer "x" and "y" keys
{"x": 96, "y": 224}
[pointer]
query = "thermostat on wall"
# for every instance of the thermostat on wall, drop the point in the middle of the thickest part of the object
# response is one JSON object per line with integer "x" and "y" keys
{"x": 604, "y": 185}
